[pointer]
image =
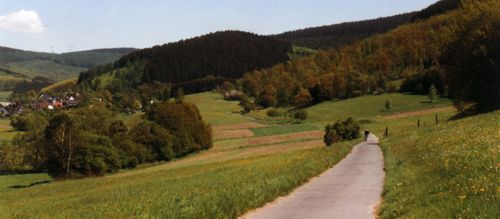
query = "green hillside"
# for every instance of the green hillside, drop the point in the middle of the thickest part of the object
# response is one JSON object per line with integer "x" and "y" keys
{"x": 44, "y": 68}
{"x": 449, "y": 170}
{"x": 56, "y": 67}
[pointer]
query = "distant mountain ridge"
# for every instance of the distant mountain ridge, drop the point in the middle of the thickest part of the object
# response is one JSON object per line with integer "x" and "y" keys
{"x": 55, "y": 66}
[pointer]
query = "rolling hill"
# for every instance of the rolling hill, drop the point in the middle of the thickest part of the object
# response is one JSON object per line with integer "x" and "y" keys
{"x": 56, "y": 67}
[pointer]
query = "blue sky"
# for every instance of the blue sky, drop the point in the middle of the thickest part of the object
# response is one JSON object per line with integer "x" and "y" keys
{"x": 70, "y": 25}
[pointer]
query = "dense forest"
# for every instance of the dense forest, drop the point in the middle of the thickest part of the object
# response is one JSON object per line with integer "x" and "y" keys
{"x": 439, "y": 51}
{"x": 331, "y": 36}
{"x": 225, "y": 55}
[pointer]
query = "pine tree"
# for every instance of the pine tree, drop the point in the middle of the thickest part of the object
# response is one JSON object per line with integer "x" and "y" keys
{"x": 388, "y": 105}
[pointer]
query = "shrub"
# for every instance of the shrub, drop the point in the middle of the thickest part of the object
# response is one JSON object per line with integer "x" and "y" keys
{"x": 341, "y": 131}
{"x": 388, "y": 105}
{"x": 274, "y": 113}
{"x": 299, "y": 115}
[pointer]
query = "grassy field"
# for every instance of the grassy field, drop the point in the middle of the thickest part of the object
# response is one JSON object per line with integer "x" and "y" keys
{"x": 215, "y": 110}
{"x": 449, "y": 170}
{"x": 236, "y": 175}
{"x": 47, "y": 69}
{"x": 5, "y": 95}
{"x": 60, "y": 85}
{"x": 367, "y": 107}
{"x": 6, "y": 131}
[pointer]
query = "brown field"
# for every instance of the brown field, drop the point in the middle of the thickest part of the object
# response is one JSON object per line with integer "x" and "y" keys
{"x": 228, "y": 134}
{"x": 243, "y": 146}
{"x": 419, "y": 112}
{"x": 229, "y": 144}
{"x": 246, "y": 125}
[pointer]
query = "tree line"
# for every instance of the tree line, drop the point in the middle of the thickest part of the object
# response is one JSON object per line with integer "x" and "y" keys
{"x": 91, "y": 141}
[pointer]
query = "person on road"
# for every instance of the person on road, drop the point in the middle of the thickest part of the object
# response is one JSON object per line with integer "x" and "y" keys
{"x": 366, "y": 135}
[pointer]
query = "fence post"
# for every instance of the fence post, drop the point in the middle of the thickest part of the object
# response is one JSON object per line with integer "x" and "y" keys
{"x": 418, "y": 123}
{"x": 386, "y": 132}
{"x": 437, "y": 119}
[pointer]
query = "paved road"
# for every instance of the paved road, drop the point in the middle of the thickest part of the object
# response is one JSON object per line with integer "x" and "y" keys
{"x": 351, "y": 189}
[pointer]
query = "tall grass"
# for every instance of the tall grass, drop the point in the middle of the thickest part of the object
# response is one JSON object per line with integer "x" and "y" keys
{"x": 449, "y": 170}
{"x": 216, "y": 190}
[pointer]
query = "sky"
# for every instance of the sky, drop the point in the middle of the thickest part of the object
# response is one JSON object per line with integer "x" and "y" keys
{"x": 71, "y": 25}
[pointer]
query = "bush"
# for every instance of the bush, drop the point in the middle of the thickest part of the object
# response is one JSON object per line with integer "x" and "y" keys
{"x": 341, "y": 131}
{"x": 299, "y": 115}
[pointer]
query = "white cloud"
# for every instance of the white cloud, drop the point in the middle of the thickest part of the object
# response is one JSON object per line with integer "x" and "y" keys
{"x": 23, "y": 21}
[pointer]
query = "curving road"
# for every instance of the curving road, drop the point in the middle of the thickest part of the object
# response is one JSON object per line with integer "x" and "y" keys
{"x": 351, "y": 189}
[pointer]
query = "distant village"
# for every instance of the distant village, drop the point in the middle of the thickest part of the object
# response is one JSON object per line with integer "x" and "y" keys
{"x": 43, "y": 102}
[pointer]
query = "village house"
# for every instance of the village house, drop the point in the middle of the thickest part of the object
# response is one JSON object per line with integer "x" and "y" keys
{"x": 51, "y": 102}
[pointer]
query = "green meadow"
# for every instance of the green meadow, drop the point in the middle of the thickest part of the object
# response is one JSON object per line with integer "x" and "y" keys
{"x": 6, "y": 131}
{"x": 241, "y": 174}
{"x": 5, "y": 95}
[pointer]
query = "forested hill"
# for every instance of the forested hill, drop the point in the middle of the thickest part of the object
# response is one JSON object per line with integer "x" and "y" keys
{"x": 336, "y": 35}
{"x": 454, "y": 54}
{"x": 216, "y": 56}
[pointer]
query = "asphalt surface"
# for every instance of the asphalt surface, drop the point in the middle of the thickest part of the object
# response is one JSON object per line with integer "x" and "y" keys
{"x": 351, "y": 189}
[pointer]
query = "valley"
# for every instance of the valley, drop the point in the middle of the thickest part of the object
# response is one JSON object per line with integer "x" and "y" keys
{"x": 395, "y": 116}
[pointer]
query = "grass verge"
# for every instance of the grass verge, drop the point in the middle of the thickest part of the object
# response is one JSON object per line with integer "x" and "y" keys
{"x": 449, "y": 170}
